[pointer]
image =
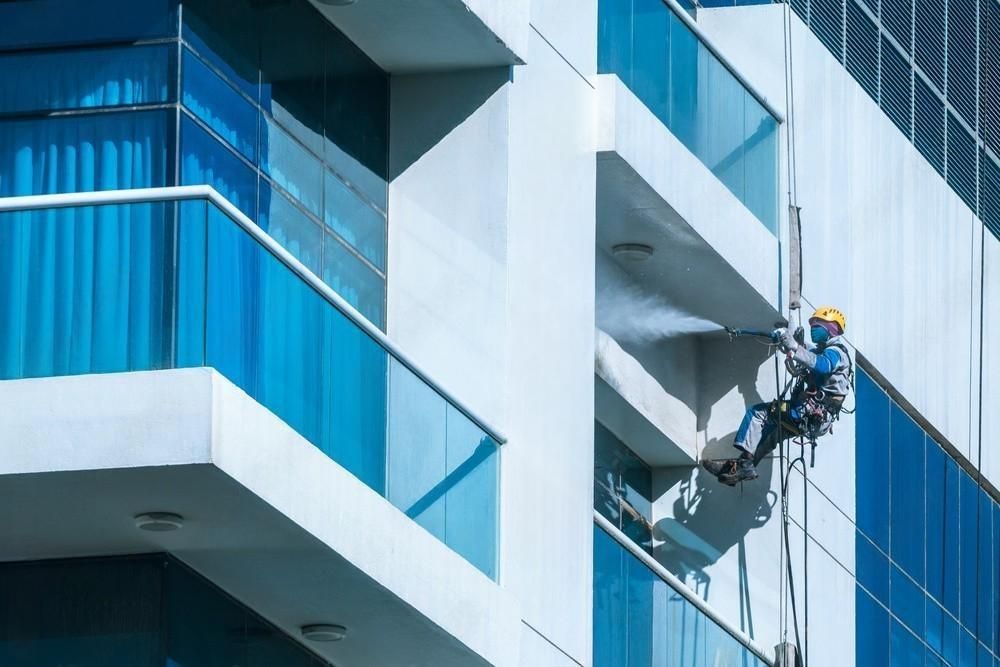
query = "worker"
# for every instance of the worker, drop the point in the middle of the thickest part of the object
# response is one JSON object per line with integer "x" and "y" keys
{"x": 824, "y": 377}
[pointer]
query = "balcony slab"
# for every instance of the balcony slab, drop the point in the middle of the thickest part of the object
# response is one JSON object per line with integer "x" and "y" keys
{"x": 435, "y": 35}
{"x": 268, "y": 517}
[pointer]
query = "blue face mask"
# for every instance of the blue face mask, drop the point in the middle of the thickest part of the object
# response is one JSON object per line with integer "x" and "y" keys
{"x": 819, "y": 335}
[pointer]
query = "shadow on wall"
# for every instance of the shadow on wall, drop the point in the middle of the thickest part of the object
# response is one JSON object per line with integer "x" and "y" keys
{"x": 425, "y": 108}
{"x": 708, "y": 518}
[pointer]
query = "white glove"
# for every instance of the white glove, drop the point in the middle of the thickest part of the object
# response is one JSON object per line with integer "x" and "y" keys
{"x": 786, "y": 341}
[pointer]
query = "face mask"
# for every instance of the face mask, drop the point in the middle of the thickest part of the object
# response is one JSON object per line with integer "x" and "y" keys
{"x": 819, "y": 335}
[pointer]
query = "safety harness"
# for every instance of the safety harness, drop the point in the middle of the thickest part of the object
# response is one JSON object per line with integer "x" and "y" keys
{"x": 809, "y": 411}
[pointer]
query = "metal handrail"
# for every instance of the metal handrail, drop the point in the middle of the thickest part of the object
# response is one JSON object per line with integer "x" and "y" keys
{"x": 206, "y": 192}
{"x": 681, "y": 588}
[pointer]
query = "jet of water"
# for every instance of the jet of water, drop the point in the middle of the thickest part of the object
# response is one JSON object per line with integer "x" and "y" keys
{"x": 631, "y": 315}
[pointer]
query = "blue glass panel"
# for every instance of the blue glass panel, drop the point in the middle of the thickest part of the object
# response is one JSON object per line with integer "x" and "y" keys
{"x": 872, "y": 443}
{"x": 968, "y": 550}
{"x": 650, "y": 41}
{"x": 686, "y": 632}
{"x": 934, "y": 615}
{"x": 951, "y": 639}
{"x": 107, "y": 151}
{"x": 907, "y": 601}
{"x": 206, "y": 161}
{"x": 685, "y": 52}
{"x": 357, "y": 119}
{"x": 907, "y": 494}
{"x": 610, "y": 606}
{"x": 273, "y": 336}
{"x": 996, "y": 579}
{"x": 640, "y": 612}
{"x": 906, "y": 649}
{"x": 873, "y": 631}
{"x": 291, "y": 227}
{"x": 985, "y": 585}
{"x": 293, "y": 71}
{"x": 355, "y": 281}
{"x": 291, "y": 166}
{"x": 354, "y": 220}
{"x": 471, "y": 491}
{"x": 84, "y": 79}
{"x": 967, "y": 650}
{"x": 51, "y": 22}
{"x": 984, "y": 658}
{"x": 417, "y": 448}
{"x": 192, "y": 263}
{"x": 931, "y": 659}
{"x": 760, "y": 149}
{"x": 952, "y": 523}
{"x": 873, "y": 568}
{"x": 936, "y": 503}
{"x": 86, "y": 613}
{"x": 614, "y": 39}
{"x": 219, "y": 106}
{"x": 85, "y": 290}
{"x": 225, "y": 33}
{"x": 722, "y": 148}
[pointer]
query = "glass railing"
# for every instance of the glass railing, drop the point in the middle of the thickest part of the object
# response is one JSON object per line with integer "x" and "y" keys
{"x": 657, "y": 55}
{"x": 640, "y": 619}
{"x": 175, "y": 284}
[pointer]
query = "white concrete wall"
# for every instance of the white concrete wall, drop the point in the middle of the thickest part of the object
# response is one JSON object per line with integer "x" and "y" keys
{"x": 548, "y": 465}
{"x": 491, "y": 288}
{"x": 447, "y": 262}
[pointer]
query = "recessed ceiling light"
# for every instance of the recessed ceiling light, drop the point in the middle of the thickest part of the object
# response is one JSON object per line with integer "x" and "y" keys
{"x": 633, "y": 252}
{"x": 324, "y": 632}
{"x": 159, "y": 522}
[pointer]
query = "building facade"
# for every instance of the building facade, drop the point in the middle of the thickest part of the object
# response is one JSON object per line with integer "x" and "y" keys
{"x": 390, "y": 333}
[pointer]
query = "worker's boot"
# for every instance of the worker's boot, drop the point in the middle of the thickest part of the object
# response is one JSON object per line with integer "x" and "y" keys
{"x": 731, "y": 471}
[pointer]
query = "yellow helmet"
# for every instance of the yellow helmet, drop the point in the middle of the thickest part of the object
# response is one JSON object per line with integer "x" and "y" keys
{"x": 830, "y": 314}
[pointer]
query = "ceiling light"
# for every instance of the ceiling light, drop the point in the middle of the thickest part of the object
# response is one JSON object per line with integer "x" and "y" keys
{"x": 159, "y": 522}
{"x": 324, "y": 632}
{"x": 633, "y": 252}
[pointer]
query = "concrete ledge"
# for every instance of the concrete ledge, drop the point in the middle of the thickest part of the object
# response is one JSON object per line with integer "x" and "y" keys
{"x": 435, "y": 35}
{"x": 632, "y": 405}
{"x": 269, "y": 517}
{"x": 628, "y": 131}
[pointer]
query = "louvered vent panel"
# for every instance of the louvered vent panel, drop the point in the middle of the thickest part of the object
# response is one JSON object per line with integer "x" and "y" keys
{"x": 990, "y": 194}
{"x": 826, "y": 18}
{"x": 897, "y": 16}
{"x": 870, "y": 4}
{"x": 962, "y": 52}
{"x": 929, "y": 39}
{"x": 862, "y": 48}
{"x": 928, "y": 124}
{"x": 961, "y": 162}
{"x": 989, "y": 76}
{"x": 896, "y": 88}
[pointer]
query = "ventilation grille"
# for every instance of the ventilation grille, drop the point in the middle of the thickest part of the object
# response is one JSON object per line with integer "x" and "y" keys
{"x": 933, "y": 66}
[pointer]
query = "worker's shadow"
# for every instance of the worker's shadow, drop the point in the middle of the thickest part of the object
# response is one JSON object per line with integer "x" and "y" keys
{"x": 710, "y": 518}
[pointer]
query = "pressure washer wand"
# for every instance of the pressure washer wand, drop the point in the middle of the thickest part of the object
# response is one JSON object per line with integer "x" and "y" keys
{"x": 752, "y": 333}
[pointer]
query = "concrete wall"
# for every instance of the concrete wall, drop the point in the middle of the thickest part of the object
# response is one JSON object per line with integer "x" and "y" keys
{"x": 491, "y": 288}
{"x": 548, "y": 467}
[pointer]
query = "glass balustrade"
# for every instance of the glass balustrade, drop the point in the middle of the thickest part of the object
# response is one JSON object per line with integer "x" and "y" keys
{"x": 138, "y": 287}
{"x": 695, "y": 96}
{"x": 640, "y": 620}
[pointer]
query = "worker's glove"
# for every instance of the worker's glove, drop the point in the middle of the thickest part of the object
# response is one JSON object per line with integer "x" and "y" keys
{"x": 785, "y": 339}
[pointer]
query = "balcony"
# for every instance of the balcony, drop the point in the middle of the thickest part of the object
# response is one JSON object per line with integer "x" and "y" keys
{"x": 645, "y": 616}
{"x": 305, "y": 405}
